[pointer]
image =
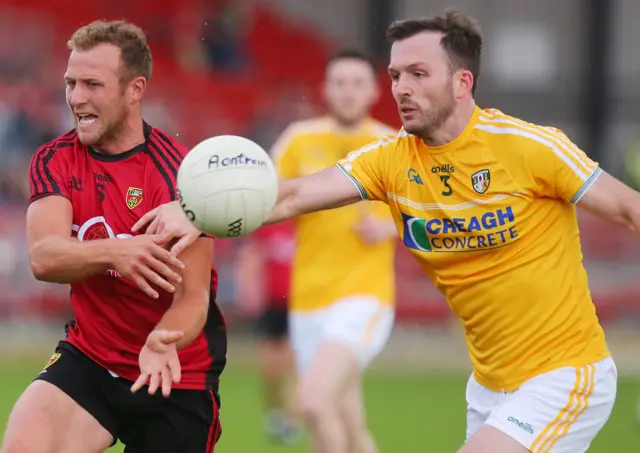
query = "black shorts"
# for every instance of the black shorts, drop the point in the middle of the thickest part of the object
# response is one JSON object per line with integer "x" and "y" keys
{"x": 274, "y": 323}
{"x": 186, "y": 421}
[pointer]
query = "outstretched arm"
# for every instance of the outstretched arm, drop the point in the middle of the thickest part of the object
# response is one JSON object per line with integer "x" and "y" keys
{"x": 357, "y": 177}
{"x": 327, "y": 189}
{"x": 610, "y": 199}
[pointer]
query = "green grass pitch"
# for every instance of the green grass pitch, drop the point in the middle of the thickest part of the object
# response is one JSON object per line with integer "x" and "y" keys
{"x": 413, "y": 413}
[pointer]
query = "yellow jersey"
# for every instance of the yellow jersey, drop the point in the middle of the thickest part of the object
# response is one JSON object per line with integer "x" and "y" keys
{"x": 331, "y": 262}
{"x": 491, "y": 218}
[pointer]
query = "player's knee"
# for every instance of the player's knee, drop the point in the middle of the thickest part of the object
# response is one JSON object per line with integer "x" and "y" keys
{"x": 314, "y": 405}
{"x": 313, "y": 409}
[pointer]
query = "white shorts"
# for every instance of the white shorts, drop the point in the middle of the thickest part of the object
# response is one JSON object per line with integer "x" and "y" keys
{"x": 561, "y": 411}
{"x": 363, "y": 324}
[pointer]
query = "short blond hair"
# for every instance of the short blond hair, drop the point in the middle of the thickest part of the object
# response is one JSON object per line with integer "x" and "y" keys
{"x": 129, "y": 38}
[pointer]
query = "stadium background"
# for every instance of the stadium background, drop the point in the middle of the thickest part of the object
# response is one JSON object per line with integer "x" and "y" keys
{"x": 250, "y": 67}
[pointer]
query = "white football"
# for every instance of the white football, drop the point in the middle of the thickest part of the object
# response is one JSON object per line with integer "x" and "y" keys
{"x": 227, "y": 186}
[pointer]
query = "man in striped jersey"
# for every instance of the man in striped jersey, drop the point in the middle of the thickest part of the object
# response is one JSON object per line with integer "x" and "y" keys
{"x": 140, "y": 315}
{"x": 487, "y": 205}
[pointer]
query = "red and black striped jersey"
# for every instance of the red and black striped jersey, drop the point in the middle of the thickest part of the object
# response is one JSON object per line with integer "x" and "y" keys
{"x": 109, "y": 193}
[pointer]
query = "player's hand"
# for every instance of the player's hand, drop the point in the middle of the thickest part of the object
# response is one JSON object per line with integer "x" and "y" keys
{"x": 159, "y": 363}
{"x": 373, "y": 230}
{"x": 169, "y": 219}
{"x": 143, "y": 260}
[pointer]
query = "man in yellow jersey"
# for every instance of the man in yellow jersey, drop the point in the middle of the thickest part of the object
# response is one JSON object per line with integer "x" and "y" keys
{"x": 342, "y": 282}
{"x": 487, "y": 204}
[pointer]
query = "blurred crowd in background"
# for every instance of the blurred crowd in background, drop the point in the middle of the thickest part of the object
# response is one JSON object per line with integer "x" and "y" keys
{"x": 251, "y": 67}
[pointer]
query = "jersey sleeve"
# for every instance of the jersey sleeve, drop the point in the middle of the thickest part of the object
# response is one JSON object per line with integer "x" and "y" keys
{"x": 560, "y": 168}
{"x": 283, "y": 153}
{"x": 166, "y": 156}
{"x": 367, "y": 167}
{"x": 48, "y": 173}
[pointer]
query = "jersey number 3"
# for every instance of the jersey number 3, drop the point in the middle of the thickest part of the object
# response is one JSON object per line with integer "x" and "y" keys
{"x": 447, "y": 188}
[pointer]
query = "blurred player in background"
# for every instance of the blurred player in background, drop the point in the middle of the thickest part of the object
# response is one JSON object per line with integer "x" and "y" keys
{"x": 266, "y": 256}
{"x": 139, "y": 317}
{"x": 486, "y": 203}
{"x": 342, "y": 287}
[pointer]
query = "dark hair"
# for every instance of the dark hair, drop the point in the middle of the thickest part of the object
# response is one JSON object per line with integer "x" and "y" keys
{"x": 461, "y": 38}
{"x": 352, "y": 54}
{"x": 129, "y": 38}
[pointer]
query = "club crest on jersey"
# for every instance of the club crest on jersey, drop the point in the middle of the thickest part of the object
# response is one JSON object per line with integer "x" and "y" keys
{"x": 481, "y": 180}
{"x": 134, "y": 197}
{"x": 54, "y": 358}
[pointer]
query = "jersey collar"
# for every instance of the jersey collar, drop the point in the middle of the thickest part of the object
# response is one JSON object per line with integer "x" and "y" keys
{"x": 122, "y": 156}
{"x": 460, "y": 139}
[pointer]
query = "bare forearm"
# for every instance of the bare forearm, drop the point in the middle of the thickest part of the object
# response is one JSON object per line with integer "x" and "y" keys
{"x": 312, "y": 193}
{"x": 188, "y": 317}
{"x": 631, "y": 220}
{"x": 66, "y": 260}
{"x": 625, "y": 213}
{"x": 285, "y": 206}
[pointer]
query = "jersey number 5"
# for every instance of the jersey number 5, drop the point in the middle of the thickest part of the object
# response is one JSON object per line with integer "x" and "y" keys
{"x": 447, "y": 188}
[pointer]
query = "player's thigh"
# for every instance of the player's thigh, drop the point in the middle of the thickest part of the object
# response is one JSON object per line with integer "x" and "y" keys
{"x": 353, "y": 332}
{"x": 322, "y": 386}
{"x": 361, "y": 323}
{"x": 488, "y": 439}
{"x": 561, "y": 411}
{"x": 50, "y": 417}
{"x": 186, "y": 421}
{"x": 305, "y": 335}
{"x": 481, "y": 402}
